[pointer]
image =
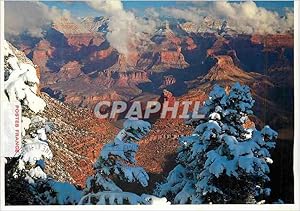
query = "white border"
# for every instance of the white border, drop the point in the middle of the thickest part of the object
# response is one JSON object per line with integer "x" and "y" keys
{"x": 296, "y": 103}
{"x": 295, "y": 206}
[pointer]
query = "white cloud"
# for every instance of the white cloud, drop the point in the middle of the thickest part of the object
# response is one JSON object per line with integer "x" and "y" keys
{"x": 249, "y": 18}
{"x": 244, "y": 17}
{"x": 107, "y": 6}
{"x": 30, "y": 17}
{"x": 192, "y": 14}
{"x": 125, "y": 29}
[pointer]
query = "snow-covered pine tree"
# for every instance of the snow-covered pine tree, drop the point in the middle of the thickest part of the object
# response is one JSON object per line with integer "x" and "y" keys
{"x": 25, "y": 174}
{"x": 222, "y": 161}
{"x": 117, "y": 162}
{"x": 20, "y": 85}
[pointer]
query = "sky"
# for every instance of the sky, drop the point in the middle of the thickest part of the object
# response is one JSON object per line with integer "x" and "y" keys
{"x": 133, "y": 21}
{"x": 79, "y": 9}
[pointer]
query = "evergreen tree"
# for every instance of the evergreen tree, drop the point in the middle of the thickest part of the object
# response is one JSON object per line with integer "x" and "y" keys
{"x": 20, "y": 85}
{"x": 117, "y": 162}
{"x": 222, "y": 161}
{"x": 24, "y": 173}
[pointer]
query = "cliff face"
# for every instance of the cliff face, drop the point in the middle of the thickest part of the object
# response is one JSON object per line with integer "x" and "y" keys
{"x": 77, "y": 61}
{"x": 274, "y": 40}
{"x": 220, "y": 46}
{"x": 168, "y": 80}
{"x": 69, "y": 71}
{"x": 224, "y": 69}
{"x": 41, "y": 53}
{"x": 84, "y": 39}
{"x": 76, "y": 141}
{"x": 173, "y": 58}
{"x": 127, "y": 79}
{"x": 68, "y": 26}
{"x": 87, "y": 56}
{"x": 158, "y": 150}
{"x": 76, "y": 135}
{"x": 101, "y": 54}
{"x": 83, "y": 68}
{"x": 191, "y": 45}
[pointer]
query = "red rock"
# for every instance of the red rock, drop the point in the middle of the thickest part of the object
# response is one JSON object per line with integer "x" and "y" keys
{"x": 257, "y": 39}
{"x": 67, "y": 26}
{"x": 167, "y": 96}
{"x": 39, "y": 56}
{"x": 191, "y": 44}
{"x": 220, "y": 46}
{"x": 97, "y": 40}
{"x": 101, "y": 54}
{"x": 274, "y": 40}
{"x": 76, "y": 142}
{"x": 25, "y": 48}
{"x": 70, "y": 70}
{"x": 171, "y": 37}
{"x": 225, "y": 70}
{"x": 158, "y": 150}
{"x": 124, "y": 78}
{"x": 132, "y": 58}
{"x": 41, "y": 53}
{"x": 167, "y": 99}
{"x": 280, "y": 40}
{"x": 173, "y": 58}
{"x": 168, "y": 80}
{"x": 86, "y": 39}
{"x": 129, "y": 60}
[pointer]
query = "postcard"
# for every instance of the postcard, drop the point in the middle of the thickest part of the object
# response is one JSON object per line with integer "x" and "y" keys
{"x": 161, "y": 104}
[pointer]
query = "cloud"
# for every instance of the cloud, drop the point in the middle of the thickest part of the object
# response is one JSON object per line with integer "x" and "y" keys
{"x": 244, "y": 17}
{"x": 107, "y": 6}
{"x": 125, "y": 29}
{"x": 192, "y": 14}
{"x": 247, "y": 17}
{"x": 29, "y": 17}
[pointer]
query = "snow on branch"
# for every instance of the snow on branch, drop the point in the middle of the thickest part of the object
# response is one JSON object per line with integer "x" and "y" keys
{"x": 222, "y": 161}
